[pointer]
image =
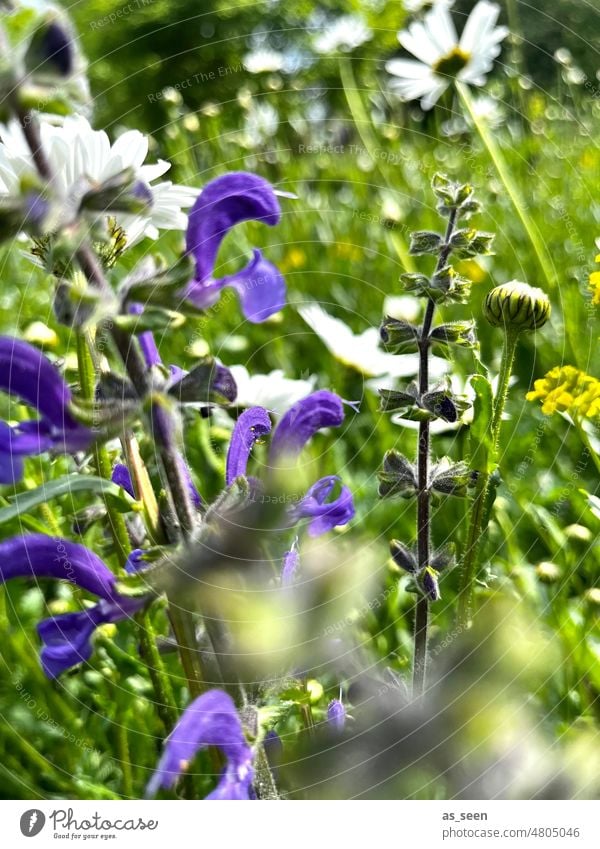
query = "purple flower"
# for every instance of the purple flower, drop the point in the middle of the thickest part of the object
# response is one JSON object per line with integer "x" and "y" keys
{"x": 336, "y": 715}
{"x": 120, "y": 475}
{"x": 428, "y": 580}
{"x": 26, "y": 373}
{"x": 210, "y": 720}
{"x": 325, "y": 515}
{"x": 146, "y": 339}
{"x": 303, "y": 420}
{"x": 252, "y": 425}
{"x": 222, "y": 204}
{"x": 67, "y": 637}
{"x": 289, "y": 568}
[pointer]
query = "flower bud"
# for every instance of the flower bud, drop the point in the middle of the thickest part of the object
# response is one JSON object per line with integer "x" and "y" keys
{"x": 399, "y": 337}
{"x": 428, "y": 584}
{"x": 517, "y": 305}
{"x": 51, "y": 49}
{"x": 397, "y": 476}
{"x": 403, "y": 556}
{"x": 425, "y": 242}
{"x": 336, "y": 715}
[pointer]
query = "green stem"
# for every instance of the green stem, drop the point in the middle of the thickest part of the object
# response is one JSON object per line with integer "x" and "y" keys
{"x": 539, "y": 248}
{"x": 423, "y": 494}
{"x": 166, "y": 704}
{"x": 87, "y": 382}
{"x": 586, "y": 441}
{"x": 478, "y": 510}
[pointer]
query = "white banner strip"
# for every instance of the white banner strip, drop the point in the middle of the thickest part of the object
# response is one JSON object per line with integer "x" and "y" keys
{"x": 339, "y": 825}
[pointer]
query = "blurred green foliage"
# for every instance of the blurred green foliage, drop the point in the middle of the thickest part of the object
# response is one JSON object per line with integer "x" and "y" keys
{"x": 361, "y": 187}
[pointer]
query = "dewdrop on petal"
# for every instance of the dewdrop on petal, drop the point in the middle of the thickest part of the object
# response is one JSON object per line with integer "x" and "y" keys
{"x": 517, "y": 306}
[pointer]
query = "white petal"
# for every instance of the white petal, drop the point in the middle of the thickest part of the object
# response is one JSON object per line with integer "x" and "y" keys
{"x": 480, "y": 23}
{"x": 417, "y": 41}
{"x": 408, "y": 69}
{"x": 129, "y": 151}
{"x": 154, "y": 170}
{"x": 441, "y": 28}
{"x": 434, "y": 94}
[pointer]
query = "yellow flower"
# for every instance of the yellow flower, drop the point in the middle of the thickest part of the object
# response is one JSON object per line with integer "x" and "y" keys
{"x": 565, "y": 389}
{"x": 595, "y": 286}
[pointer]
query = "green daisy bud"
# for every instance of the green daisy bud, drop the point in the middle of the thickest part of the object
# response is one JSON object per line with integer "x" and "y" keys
{"x": 517, "y": 305}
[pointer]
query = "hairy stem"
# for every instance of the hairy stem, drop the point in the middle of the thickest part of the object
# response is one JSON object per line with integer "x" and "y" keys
{"x": 423, "y": 495}
{"x": 477, "y": 523}
{"x": 87, "y": 384}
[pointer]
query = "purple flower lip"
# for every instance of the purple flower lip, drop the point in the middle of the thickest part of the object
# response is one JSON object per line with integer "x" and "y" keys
{"x": 210, "y": 720}
{"x": 27, "y": 374}
{"x": 41, "y": 556}
{"x": 325, "y": 515}
{"x": 223, "y": 203}
{"x": 66, "y": 638}
{"x": 252, "y": 425}
{"x": 307, "y": 416}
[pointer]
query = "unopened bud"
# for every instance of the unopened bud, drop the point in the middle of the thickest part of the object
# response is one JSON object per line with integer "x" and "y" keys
{"x": 518, "y": 306}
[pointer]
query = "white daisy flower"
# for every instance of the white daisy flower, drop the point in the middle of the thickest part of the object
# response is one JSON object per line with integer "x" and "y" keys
{"x": 263, "y": 61}
{"x": 361, "y": 350}
{"x": 80, "y": 155}
{"x": 344, "y": 34}
{"x": 442, "y": 57}
{"x": 414, "y": 6}
{"x": 273, "y": 391}
{"x": 262, "y": 122}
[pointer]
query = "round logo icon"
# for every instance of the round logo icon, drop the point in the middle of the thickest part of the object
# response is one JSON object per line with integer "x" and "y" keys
{"x": 32, "y": 822}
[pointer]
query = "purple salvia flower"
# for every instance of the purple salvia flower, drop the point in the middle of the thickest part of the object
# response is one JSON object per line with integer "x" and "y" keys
{"x": 252, "y": 425}
{"x": 195, "y": 496}
{"x": 26, "y": 373}
{"x": 11, "y": 464}
{"x": 303, "y": 420}
{"x": 67, "y": 637}
{"x": 289, "y": 568}
{"x": 136, "y": 561}
{"x": 222, "y": 204}
{"x": 121, "y": 476}
{"x": 146, "y": 340}
{"x": 210, "y": 720}
{"x": 152, "y": 358}
{"x": 336, "y": 715}
{"x": 221, "y": 382}
{"x": 41, "y": 556}
{"x": 325, "y": 515}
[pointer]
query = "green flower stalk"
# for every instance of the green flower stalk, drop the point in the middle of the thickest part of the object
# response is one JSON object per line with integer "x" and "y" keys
{"x": 516, "y": 307}
{"x": 424, "y": 403}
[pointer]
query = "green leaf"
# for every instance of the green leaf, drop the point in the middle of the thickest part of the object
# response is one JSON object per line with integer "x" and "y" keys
{"x": 481, "y": 427}
{"x": 26, "y": 501}
{"x": 593, "y": 502}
